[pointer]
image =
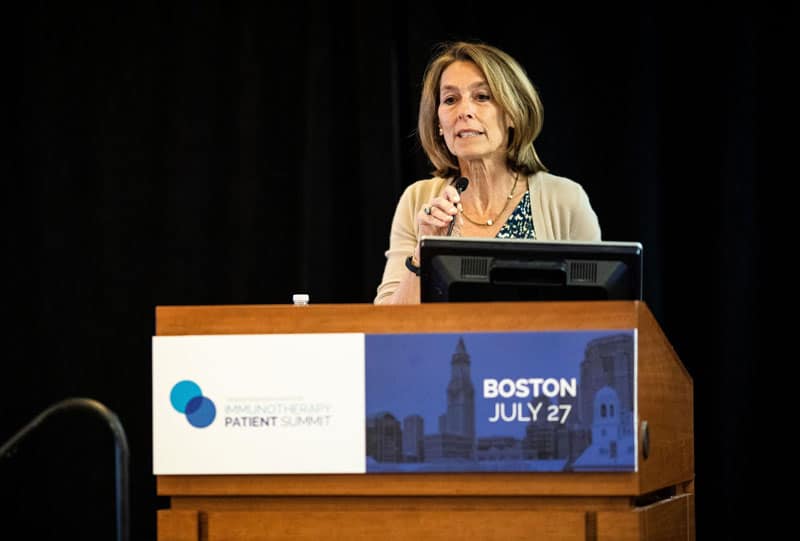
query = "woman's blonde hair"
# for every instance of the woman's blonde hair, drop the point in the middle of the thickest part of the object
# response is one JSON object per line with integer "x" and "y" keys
{"x": 511, "y": 89}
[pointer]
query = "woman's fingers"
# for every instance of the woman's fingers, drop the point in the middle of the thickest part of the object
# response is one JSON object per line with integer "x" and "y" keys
{"x": 440, "y": 211}
{"x": 433, "y": 217}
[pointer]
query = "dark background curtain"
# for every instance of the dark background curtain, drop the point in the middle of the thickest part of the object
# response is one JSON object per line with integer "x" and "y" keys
{"x": 207, "y": 153}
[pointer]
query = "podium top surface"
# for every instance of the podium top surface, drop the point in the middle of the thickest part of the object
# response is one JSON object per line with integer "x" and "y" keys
{"x": 369, "y": 318}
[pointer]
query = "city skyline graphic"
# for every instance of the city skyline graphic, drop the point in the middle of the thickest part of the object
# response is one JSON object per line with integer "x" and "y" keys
{"x": 426, "y": 409}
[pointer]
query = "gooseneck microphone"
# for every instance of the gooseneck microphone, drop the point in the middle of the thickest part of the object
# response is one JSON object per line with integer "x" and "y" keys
{"x": 460, "y": 184}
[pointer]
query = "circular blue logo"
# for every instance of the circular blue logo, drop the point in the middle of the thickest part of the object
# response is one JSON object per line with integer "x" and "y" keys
{"x": 187, "y": 398}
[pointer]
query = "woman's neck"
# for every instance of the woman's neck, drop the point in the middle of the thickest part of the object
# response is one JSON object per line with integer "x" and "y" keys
{"x": 489, "y": 184}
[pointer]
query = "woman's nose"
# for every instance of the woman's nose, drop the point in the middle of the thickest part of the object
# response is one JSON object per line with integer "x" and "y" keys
{"x": 465, "y": 110}
{"x": 466, "y": 114}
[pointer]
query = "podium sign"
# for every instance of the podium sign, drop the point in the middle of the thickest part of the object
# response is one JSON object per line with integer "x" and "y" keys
{"x": 258, "y": 404}
{"x": 550, "y": 401}
{"x": 501, "y": 401}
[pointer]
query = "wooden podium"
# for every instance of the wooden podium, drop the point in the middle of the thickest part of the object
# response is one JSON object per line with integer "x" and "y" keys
{"x": 655, "y": 503}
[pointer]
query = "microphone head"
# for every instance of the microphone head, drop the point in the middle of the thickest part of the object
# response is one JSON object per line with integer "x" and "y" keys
{"x": 461, "y": 184}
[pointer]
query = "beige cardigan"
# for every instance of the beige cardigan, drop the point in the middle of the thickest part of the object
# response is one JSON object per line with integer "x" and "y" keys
{"x": 560, "y": 208}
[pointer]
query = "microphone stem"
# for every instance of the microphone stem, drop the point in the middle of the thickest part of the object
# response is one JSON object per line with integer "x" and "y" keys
{"x": 450, "y": 227}
{"x": 461, "y": 184}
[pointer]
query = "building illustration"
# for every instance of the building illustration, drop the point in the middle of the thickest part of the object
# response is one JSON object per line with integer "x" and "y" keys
{"x": 589, "y": 430}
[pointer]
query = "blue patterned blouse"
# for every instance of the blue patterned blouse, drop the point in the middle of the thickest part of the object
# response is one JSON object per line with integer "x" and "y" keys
{"x": 520, "y": 224}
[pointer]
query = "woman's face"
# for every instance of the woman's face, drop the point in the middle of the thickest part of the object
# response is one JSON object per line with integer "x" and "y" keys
{"x": 473, "y": 125}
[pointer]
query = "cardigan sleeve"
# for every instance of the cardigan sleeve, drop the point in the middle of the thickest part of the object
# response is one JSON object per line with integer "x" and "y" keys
{"x": 583, "y": 224}
{"x": 402, "y": 242}
{"x": 404, "y": 236}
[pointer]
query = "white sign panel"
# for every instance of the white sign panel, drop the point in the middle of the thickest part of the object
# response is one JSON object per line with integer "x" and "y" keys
{"x": 258, "y": 404}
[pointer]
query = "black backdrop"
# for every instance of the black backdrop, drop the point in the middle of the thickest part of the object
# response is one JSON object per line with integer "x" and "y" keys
{"x": 216, "y": 154}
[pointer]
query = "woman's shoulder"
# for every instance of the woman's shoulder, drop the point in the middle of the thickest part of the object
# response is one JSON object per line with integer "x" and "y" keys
{"x": 427, "y": 185}
{"x": 548, "y": 180}
{"x": 424, "y": 190}
{"x": 550, "y": 186}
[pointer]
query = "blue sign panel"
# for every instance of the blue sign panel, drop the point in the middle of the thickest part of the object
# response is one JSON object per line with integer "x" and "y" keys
{"x": 502, "y": 402}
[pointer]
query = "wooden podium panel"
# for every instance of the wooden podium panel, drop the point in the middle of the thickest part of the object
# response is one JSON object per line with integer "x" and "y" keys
{"x": 420, "y": 524}
{"x": 656, "y": 502}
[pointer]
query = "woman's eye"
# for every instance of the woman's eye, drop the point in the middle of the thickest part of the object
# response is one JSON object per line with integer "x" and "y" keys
{"x": 449, "y": 100}
{"x": 484, "y": 97}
